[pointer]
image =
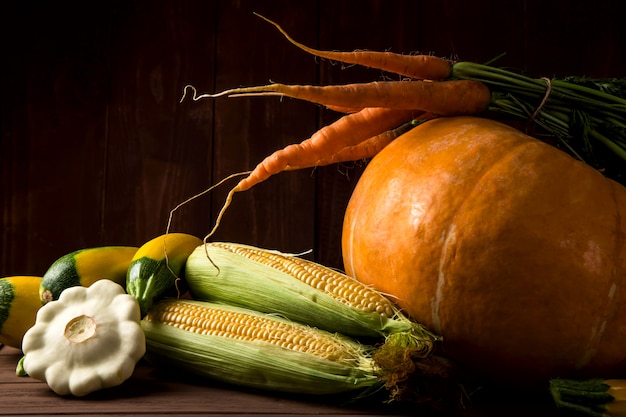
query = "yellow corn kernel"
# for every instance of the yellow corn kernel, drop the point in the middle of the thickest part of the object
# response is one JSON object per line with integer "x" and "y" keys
{"x": 252, "y": 349}
{"x": 213, "y": 321}
{"x": 295, "y": 288}
{"x": 333, "y": 283}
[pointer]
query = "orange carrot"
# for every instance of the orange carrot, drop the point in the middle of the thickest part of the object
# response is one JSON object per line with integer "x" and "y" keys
{"x": 452, "y": 97}
{"x": 346, "y": 110}
{"x": 196, "y": 97}
{"x": 369, "y": 148}
{"x": 348, "y": 130}
{"x": 361, "y": 151}
{"x": 426, "y": 67}
{"x": 364, "y": 150}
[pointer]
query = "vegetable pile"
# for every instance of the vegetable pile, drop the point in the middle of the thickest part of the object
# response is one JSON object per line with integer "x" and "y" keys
{"x": 566, "y": 269}
{"x": 448, "y": 222}
{"x": 252, "y": 317}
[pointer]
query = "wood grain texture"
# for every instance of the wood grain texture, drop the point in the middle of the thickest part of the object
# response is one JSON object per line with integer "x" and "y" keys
{"x": 379, "y": 28}
{"x": 151, "y": 391}
{"x": 575, "y": 38}
{"x": 278, "y": 213}
{"x": 96, "y": 148}
{"x": 53, "y": 148}
{"x": 158, "y": 150}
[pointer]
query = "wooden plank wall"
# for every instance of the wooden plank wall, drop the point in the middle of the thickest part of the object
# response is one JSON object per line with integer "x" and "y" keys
{"x": 96, "y": 148}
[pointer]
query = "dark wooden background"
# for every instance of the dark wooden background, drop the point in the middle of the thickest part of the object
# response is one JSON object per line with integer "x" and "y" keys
{"x": 96, "y": 148}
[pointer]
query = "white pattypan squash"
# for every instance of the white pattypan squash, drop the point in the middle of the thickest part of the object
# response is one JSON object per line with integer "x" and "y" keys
{"x": 87, "y": 340}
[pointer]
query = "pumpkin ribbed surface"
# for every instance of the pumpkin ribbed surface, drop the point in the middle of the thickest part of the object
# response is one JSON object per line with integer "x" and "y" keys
{"x": 510, "y": 249}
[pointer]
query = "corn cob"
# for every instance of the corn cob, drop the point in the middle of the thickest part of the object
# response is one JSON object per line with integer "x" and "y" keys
{"x": 248, "y": 348}
{"x": 301, "y": 290}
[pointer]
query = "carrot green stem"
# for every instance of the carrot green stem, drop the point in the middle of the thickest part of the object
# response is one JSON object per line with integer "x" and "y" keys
{"x": 590, "y": 397}
{"x": 578, "y": 112}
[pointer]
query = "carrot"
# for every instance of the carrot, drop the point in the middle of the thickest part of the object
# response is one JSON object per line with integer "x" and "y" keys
{"x": 348, "y": 130}
{"x": 364, "y": 150}
{"x": 426, "y": 67}
{"x": 369, "y": 148}
{"x": 361, "y": 151}
{"x": 346, "y": 110}
{"x": 196, "y": 97}
{"x": 441, "y": 97}
{"x": 372, "y": 109}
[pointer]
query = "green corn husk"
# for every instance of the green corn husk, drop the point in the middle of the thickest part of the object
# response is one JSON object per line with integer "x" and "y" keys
{"x": 404, "y": 358}
{"x": 215, "y": 273}
{"x": 256, "y": 363}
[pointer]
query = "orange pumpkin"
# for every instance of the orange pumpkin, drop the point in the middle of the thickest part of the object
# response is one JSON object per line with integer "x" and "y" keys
{"x": 510, "y": 249}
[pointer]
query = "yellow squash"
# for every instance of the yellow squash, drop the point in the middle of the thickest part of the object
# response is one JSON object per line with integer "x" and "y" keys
{"x": 157, "y": 267}
{"x": 84, "y": 267}
{"x": 19, "y": 303}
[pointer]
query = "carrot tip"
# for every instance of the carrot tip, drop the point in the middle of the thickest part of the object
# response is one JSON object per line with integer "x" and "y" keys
{"x": 197, "y": 96}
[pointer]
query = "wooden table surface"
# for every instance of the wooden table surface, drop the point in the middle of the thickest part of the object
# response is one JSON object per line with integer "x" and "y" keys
{"x": 152, "y": 392}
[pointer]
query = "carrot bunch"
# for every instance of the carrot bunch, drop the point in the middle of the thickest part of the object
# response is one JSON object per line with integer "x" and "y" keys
{"x": 377, "y": 112}
{"x": 373, "y": 110}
